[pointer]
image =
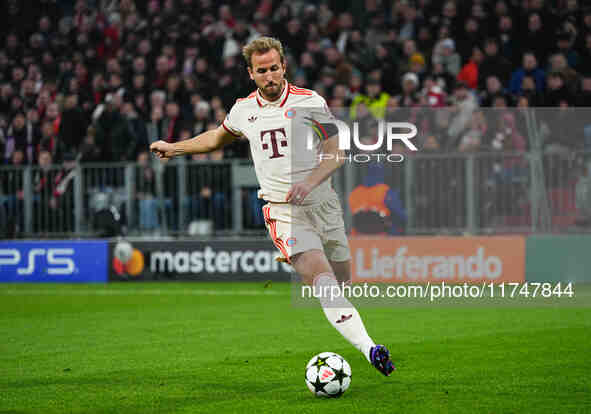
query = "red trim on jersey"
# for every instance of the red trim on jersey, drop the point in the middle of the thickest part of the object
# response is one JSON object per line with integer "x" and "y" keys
{"x": 300, "y": 89}
{"x": 272, "y": 225}
{"x": 299, "y": 93}
{"x": 228, "y": 129}
{"x": 295, "y": 88}
{"x": 258, "y": 100}
{"x": 286, "y": 95}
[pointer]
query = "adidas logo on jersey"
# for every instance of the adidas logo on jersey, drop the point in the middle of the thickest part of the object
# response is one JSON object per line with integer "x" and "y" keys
{"x": 252, "y": 118}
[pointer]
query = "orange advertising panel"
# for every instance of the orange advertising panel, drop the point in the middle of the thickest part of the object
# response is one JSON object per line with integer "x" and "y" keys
{"x": 438, "y": 259}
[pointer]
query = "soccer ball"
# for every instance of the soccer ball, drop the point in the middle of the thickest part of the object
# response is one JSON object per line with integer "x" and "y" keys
{"x": 328, "y": 375}
{"x": 123, "y": 251}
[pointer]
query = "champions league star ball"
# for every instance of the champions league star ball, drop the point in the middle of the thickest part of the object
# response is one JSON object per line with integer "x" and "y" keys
{"x": 127, "y": 261}
{"x": 123, "y": 251}
{"x": 328, "y": 375}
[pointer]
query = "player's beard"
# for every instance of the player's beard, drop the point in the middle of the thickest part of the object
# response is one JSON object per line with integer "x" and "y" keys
{"x": 273, "y": 91}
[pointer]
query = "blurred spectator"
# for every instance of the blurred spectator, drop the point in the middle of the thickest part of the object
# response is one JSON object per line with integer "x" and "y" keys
{"x": 473, "y": 138}
{"x": 376, "y": 207}
{"x": 558, "y": 63}
{"x": 409, "y": 49}
{"x": 44, "y": 219}
{"x": 11, "y": 192}
{"x": 50, "y": 141}
{"x": 537, "y": 37}
{"x": 89, "y": 152}
{"x": 113, "y": 134}
{"x": 444, "y": 53}
{"x": 464, "y": 105}
{"x": 470, "y": 38}
{"x": 433, "y": 94}
{"x": 493, "y": 64}
{"x": 137, "y": 127}
{"x": 557, "y": 91}
{"x": 62, "y": 200}
{"x": 585, "y": 60}
{"x": 154, "y": 128}
{"x": 583, "y": 197}
{"x": 6, "y": 231}
{"x": 205, "y": 199}
{"x": 585, "y": 95}
{"x": 375, "y": 100}
{"x": 73, "y": 123}
{"x": 509, "y": 174}
{"x": 201, "y": 117}
{"x": 146, "y": 193}
{"x": 529, "y": 68}
{"x": 566, "y": 127}
{"x": 493, "y": 89}
{"x": 410, "y": 87}
{"x": 33, "y": 134}
{"x": 417, "y": 63}
{"x": 445, "y": 80}
{"x": 171, "y": 124}
{"x": 506, "y": 137}
{"x": 21, "y": 135}
{"x": 564, "y": 45}
{"x": 469, "y": 72}
{"x": 507, "y": 36}
{"x": 437, "y": 185}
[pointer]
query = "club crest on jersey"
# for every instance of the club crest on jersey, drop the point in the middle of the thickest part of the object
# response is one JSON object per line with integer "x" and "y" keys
{"x": 291, "y": 241}
{"x": 252, "y": 118}
{"x": 290, "y": 113}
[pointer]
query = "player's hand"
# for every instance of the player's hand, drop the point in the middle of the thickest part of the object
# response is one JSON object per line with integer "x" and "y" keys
{"x": 162, "y": 149}
{"x": 298, "y": 192}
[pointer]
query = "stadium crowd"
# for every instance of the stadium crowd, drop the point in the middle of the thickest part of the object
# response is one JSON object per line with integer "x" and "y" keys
{"x": 98, "y": 80}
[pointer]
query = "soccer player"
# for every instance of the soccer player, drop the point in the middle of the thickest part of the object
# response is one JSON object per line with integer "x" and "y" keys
{"x": 303, "y": 214}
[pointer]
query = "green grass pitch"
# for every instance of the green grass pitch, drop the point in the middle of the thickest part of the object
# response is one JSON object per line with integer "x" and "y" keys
{"x": 238, "y": 347}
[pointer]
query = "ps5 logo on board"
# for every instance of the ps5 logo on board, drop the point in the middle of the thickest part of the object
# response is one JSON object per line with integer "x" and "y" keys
{"x": 59, "y": 261}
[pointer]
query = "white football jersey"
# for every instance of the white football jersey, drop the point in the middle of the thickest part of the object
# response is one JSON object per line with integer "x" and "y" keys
{"x": 278, "y": 135}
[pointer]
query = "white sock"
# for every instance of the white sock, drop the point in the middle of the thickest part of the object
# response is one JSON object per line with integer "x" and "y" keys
{"x": 342, "y": 314}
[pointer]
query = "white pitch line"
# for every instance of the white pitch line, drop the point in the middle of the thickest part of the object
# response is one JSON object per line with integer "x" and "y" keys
{"x": 149, "y": 292}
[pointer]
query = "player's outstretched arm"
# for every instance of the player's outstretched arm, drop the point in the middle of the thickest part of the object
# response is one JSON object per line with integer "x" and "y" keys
{"x": 332, "y": 159}
{"x": 208, "y": 141}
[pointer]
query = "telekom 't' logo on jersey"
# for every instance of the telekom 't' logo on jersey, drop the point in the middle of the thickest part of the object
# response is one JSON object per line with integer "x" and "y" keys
{"x": 278, "y": 137}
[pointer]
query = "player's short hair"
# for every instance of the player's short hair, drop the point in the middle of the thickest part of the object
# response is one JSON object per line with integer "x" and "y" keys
{"x": 262, "y": 45}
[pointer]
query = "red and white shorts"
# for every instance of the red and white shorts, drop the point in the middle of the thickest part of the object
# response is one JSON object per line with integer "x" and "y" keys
{"x": 296, "y": 229}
